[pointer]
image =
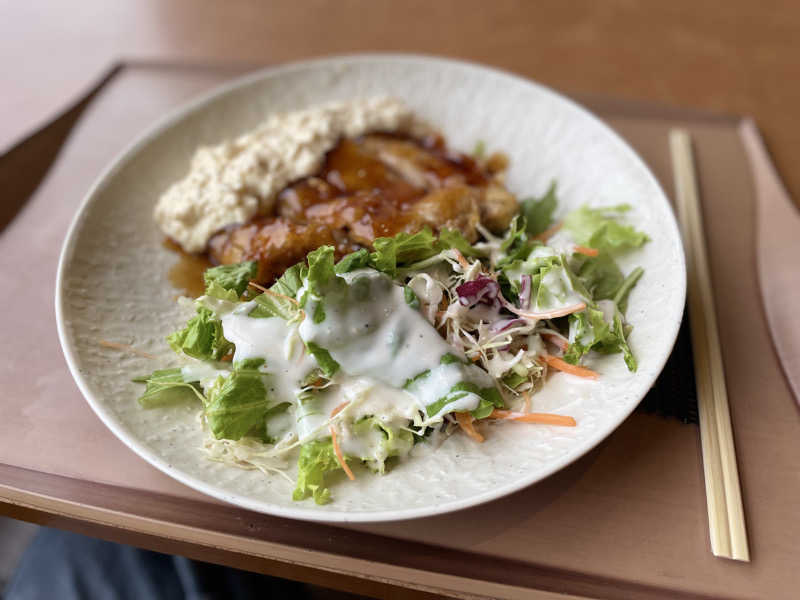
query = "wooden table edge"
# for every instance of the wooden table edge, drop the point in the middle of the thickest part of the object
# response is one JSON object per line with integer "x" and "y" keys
{"x": 194, "y": 542}
{"x": 45, "y": 499}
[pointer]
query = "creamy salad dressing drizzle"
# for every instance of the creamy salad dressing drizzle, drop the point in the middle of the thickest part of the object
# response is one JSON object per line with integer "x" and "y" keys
{"x": 202, "y": 372}
{"x": 372, "y": 332}
{"x": 390, "y": 358}
{"x": 274, "y": 341}
{"x": 366, "y": 398}
{"x": 379, "y": 342}
{"x": 560, "y": 292}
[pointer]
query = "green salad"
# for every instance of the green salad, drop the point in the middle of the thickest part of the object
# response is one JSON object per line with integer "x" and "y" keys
{"x": 344, "y": 367}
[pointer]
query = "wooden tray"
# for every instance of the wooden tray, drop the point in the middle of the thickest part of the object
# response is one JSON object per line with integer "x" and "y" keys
{"x": 626, "y": 521}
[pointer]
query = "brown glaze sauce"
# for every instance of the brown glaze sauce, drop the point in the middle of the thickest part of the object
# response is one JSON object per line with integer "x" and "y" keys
{"x": 186, "y": 275}
{"x": 372, "y": 186}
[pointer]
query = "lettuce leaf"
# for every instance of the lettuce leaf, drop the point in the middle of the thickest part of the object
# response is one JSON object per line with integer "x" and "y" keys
{"x": 393, "y": 441}
{"x": 599, "y": 228}
{"x": 268, "y": 305}
{"x": 165, "y": 387}
{"x": 622, "y": 343}
{"x": 323, "y": 283}
{"x": 533, "y": 266}
{"x": 321, "y": 271}
{"x": 412, "y": 380}
{"x": 513, "y": 379}
{"x": 590, "y": 331}
{"x": 552, "y": 280}
{"x": 538, "y": 212}
{"x": 599, "y": 274}
{"x": 410, "y": 297}
{"x": 587, "y": 329}
{"x": 452, "y": 238}
{"x": 402, "y": 250}
{"x": 324, "y": 359}
{"x": 319, "y": 313}
{"x": 316, "y": 458}
{"x": 516, "y": 244}
{"x": 272, "y": 306}
{"x": 449, "y": 358}
{"x": 202, "y": 338}
{"x": 355, "y": 260}
{"x": 215, "y": 290}
{"x": 231, "y": 277}
{"x": 515, "y": 236}
{"x": 291, "y": 281}
{"x": 624, "y": 290}
{"x": 238, "y": 405}
{"x": 489, "y": 399}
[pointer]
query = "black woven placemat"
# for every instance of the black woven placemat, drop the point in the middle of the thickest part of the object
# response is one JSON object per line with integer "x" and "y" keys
{"x": 674, "y": 394}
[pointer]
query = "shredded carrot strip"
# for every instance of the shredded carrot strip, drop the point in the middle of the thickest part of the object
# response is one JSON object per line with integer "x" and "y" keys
{"x": 587, "y": 251}
{"x": 548, "y": 233}
{"x": 557, "y": 340}
{"x": 227, "y": 358}
{"x": 499, "y": 413}
{"x": 277, "y": 295}
{"x": 460, "y": 258}
{"x": 339, "y": 456}
{"x": 527, "y": 406}
{"x": 562, "y": 365}
{"x": 465, "y": 422}
{"x": 339, "y": 408}
{"x": 118, "y": 346}
{"x": 542, "y": 418}
{"x": 269, "y": 292}
{"x": 546, "y": 419}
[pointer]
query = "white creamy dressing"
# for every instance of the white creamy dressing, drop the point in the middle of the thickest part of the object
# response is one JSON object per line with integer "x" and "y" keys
{"x": 312, "y": 415}
{"x": 277, "y": 343}
{"x": 502, "y": 362}
{"x": 536, "y": 345}
{"x": 561, "y": 291}
{"x": 233, "y": 181}
{"x": 558, "y": 284}
{"x": 429, "y": 291}
{"x": 441, "y": 380}
{"x": 365, "y": 397}
{"x": 381, "y": 337}
{"x": 281, "y": 424}
{"x": 379, "y": 342}
{"x": 543, "y": 252}
{"x": 561, "y": 242}
{"x": 202, "y": 372}
{"x": 609, "y": 309}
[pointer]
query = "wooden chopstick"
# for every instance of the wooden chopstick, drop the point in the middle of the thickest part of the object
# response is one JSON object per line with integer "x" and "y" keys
{"x": 723, "y": 493}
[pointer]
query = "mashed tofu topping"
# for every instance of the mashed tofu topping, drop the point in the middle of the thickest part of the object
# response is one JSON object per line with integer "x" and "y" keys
{"x": 232, "y": 182}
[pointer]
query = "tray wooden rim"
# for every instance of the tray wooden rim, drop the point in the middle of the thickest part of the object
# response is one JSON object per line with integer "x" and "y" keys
{"x": 55, "y": 500}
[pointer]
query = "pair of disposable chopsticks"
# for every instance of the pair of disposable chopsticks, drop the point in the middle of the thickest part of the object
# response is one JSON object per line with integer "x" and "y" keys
{"x": 723, "y": 494}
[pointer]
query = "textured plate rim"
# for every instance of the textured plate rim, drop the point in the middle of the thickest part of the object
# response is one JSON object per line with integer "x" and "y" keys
{"x": 307, "y": 514}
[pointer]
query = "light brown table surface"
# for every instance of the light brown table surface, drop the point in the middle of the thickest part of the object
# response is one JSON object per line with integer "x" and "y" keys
{"x": 739, "y": 57}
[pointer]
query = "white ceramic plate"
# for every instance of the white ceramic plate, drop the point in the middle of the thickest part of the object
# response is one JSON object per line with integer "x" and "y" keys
{"x": 112, "y": 279}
